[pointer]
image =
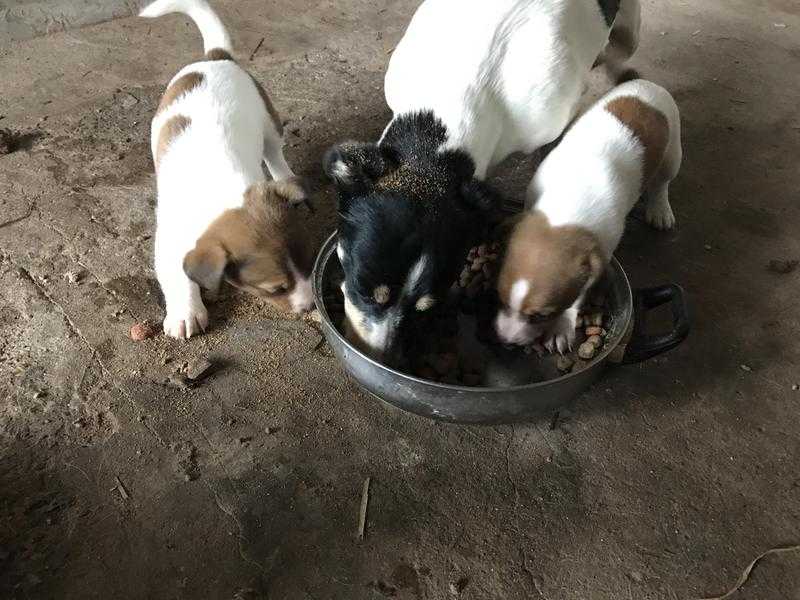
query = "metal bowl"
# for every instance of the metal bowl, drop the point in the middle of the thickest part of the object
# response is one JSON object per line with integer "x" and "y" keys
{"x": 491, "y": 405}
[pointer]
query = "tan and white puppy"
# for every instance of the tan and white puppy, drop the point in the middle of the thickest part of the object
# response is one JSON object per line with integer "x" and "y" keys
{"x": 217, "y": 216}
{"x": 625, "y": 146}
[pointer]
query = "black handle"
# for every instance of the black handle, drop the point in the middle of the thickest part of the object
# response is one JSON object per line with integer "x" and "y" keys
{"x": 642, "y": 346}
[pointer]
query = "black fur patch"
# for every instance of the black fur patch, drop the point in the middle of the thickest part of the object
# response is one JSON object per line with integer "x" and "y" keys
{"x": 609, "y": 9}
{"x": 401, "y": 200}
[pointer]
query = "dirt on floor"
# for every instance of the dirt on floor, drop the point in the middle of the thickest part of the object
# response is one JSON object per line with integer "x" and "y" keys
{"x": 662, "y": 482}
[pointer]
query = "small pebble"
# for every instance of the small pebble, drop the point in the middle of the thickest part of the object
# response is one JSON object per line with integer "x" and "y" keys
{"x": 142, "y": 331}
{"x": 637, "y": 576}
{"x": 483, "y": 250}
{"x": 594, "y": 340}
{"x": 586, "y": 350}
{"x": 707, "y": 246}
{"x": 73, "y": 276}
{"x": 198, "y": 368}
{"x": 746, "y": 368}
{"x": 594, "y": 330}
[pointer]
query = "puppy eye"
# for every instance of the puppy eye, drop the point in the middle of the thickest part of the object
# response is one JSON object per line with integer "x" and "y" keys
{"x": 275, "y": 289}
{"x": 539, "y": 317}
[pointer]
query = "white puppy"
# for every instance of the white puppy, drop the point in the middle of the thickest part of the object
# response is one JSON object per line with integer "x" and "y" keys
{"x": 217, "y": 216}
{"x": 505, "y": 76}
{"x": 627, "y": 145}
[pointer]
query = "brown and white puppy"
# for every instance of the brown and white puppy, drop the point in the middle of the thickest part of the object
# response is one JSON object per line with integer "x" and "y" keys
{"x": 625, "y": 146}
{"x": 217, "y": 216}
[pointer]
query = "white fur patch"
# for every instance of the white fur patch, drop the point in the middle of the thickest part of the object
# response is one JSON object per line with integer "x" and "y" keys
{"x": 301, "y": 299}
{"x": 519, "y": 290}
{"x": 341, "y": 171}
{"x": 340, "y": 252}
{"x": 415, "y": 273}
{"x": 425, "y": 302}
{"x": 513, "y": 328}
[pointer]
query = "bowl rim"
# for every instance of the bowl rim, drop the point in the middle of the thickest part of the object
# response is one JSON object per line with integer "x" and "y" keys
{"x": 318, "y": 272}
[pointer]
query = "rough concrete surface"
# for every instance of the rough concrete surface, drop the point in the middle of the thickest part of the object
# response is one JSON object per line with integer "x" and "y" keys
{"x": 662, "y": 482}
{"x": 24, "y": 19}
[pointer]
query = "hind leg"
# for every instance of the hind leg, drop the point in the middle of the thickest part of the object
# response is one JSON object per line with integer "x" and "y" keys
{"x": 658, "y": 211}
{"x": 623, "y": 40}
{"x": 275, "y": 161}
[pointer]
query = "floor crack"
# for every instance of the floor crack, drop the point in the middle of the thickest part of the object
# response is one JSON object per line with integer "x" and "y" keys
{"x": 105, "y": 372}
{"x": 534, "y": 581}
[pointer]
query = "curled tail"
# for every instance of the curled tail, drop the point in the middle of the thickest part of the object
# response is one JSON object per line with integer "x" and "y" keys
{"x": 211, "y": 28}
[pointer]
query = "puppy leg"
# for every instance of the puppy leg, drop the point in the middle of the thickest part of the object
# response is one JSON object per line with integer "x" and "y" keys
{"x": 658, "y": 211}
{"x": 623, "y": 40}
{"x": 293, "y": 186}
{"x": 275, "y": 161}
{"x": 186, "y": 313}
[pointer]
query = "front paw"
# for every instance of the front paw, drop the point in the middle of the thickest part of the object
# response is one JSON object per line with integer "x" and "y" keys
{"x": 560, "y": 337}
{"x": 184, "y": 323}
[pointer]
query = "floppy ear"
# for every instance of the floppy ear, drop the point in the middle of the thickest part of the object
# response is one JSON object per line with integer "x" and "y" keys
{"x": 355, "y": 164}
{"x": 205, "y": 265}
{"x": 479, "y": 195}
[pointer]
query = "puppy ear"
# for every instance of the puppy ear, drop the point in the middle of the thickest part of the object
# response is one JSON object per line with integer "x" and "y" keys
{"x": 355, "y": 164}
{"x": 205, "y": 265}
{"x": 479, "y": 195}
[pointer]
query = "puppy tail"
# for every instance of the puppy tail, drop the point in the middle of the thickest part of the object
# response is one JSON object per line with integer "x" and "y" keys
{"x": 215, "y": 36}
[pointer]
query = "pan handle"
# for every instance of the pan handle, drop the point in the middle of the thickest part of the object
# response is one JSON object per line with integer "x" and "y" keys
{"x": 642, "y": 346}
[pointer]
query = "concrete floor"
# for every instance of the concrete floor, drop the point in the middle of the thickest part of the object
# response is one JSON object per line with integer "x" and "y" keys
{"x": 662, "y": 482}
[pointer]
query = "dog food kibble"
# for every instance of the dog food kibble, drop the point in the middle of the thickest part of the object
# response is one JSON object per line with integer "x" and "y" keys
{"x": 586, "y": 350}
{"x": 142, "y": 331}
{"x": 564, "y": 363}
{"x": 595, "y": 340}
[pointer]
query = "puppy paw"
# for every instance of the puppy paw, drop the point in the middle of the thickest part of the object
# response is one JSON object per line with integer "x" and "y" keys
{"x": 294, "y": 190}
{"x": 659, "y": 215}
{"x": 183, "y": 324}
{"x": 560, "y": 337}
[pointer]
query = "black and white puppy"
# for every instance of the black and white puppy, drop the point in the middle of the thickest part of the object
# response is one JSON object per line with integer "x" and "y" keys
{"x": 409, "y": 211}
{"x": 469, "y": 84}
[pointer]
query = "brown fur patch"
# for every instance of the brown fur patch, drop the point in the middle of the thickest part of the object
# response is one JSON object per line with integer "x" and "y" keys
{"x": 648, "y": 125}
{"x": 218, "y": 54}
{"x": 276, "y": 118}
{"x": 182, "y": 85}
{"x": 256, "y": 240}
{"x": 556, "y": 261}
{"x": 172, "y": 128}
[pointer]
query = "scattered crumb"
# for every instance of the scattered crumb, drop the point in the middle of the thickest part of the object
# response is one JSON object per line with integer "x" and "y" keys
{"x": 142, "y": 331}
